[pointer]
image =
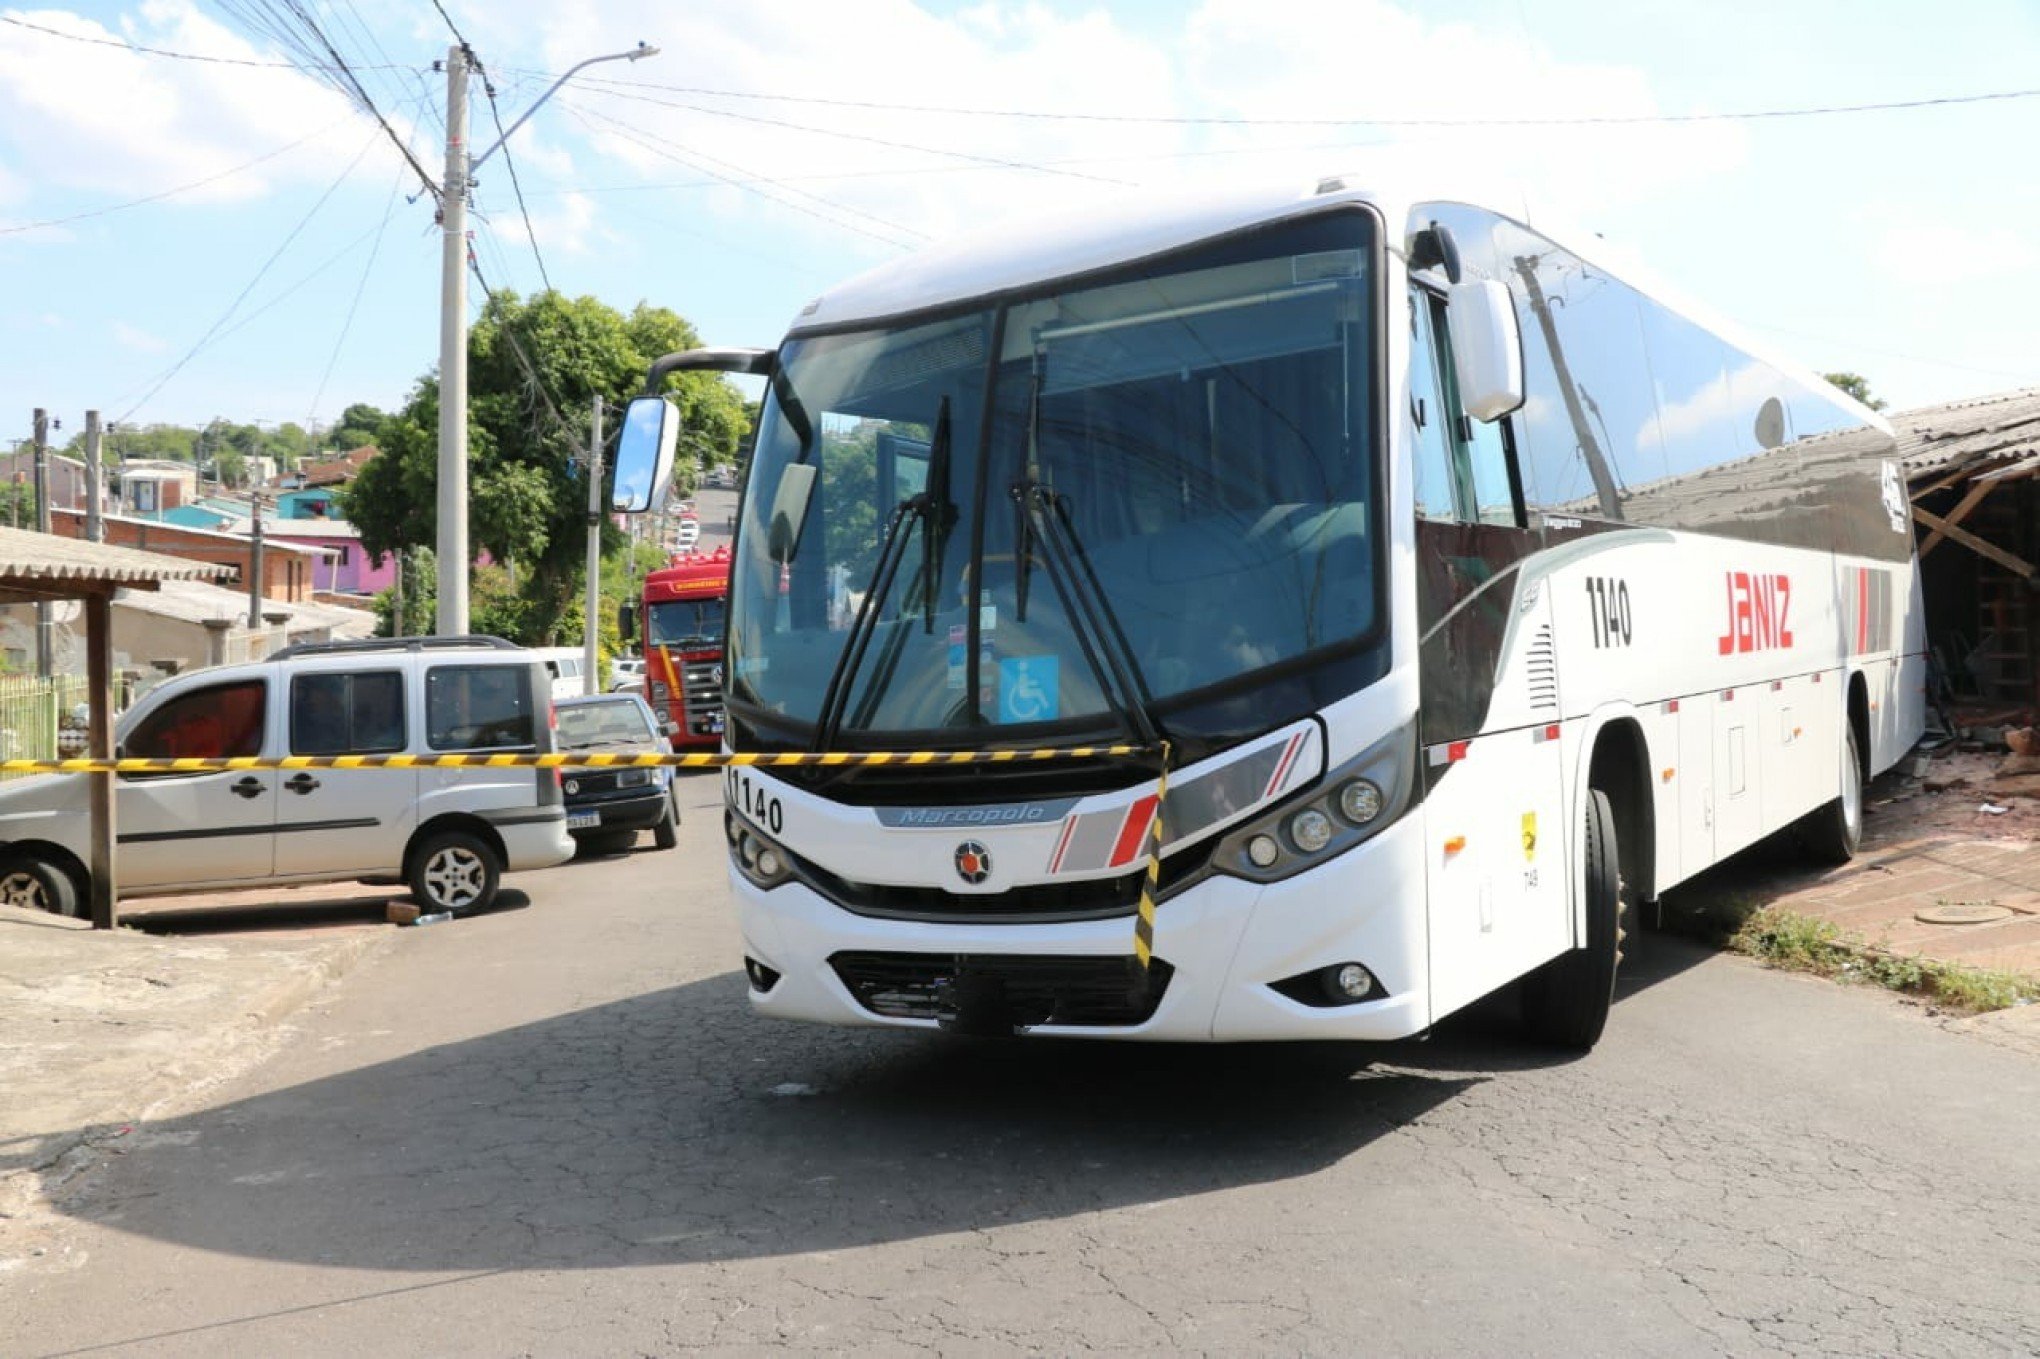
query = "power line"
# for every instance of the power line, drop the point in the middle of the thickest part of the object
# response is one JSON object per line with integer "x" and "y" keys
{"x": 452, "y": 27}
{"x": 242, "y": 296}
{"x": 140, "y": 48}
{"x": 292, "y": 25}
{"x": 595, "y": 88}
{"x": 503, "y": 140}
{"x": 347, "y": 325}
{"x": 1042, "y": 115}
{"x": 169, "y": 193}
{"x": 694, "y": 160}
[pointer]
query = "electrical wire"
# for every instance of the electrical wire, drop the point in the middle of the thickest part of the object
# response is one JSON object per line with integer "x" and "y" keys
{"x": 292, "y": 26}
{"x": 360, "y": 288}
{"x": 144, "y": 50}
{"x": 170, "y": 193}
{"x": 234, "y": 306}
{"x": 503, "y": 140}
{"x": 1194, "y": 121}
{"x": 702, "y": 162}
{"x": 600, "y": 87}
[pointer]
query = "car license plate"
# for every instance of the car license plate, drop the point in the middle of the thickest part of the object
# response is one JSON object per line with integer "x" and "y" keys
{"x": 583, "y": 820}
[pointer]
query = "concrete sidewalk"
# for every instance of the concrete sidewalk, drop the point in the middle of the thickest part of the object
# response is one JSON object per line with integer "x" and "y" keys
{"x": 1949, "y": 870}
{"x": 104, "y": 1029}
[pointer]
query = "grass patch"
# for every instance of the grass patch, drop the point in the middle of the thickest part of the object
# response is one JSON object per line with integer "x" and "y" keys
{"x": 1803, "y": 943}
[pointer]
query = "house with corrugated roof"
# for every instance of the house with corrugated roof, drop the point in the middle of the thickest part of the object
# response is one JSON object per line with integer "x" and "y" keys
{"x": 1973, "y": 472}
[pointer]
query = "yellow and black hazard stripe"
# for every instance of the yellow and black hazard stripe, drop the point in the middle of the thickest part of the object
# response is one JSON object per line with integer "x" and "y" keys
{"x": 1144, "y": 923}
{"x": 580, "y": 760}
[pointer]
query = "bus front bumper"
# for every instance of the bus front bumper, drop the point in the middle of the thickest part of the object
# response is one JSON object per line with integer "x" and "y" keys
{"x": 1225, "y": 941}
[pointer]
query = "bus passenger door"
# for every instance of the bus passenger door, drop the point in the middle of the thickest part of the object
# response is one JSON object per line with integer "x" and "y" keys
{"x": 1496, "y": 827}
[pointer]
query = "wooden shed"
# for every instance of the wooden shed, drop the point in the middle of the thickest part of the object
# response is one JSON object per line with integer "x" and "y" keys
{"x": 41, "y": 567}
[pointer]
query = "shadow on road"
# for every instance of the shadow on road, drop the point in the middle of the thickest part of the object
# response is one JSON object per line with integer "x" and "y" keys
{"x": 677, "y": 1126}
{"x": 287, "y": 914}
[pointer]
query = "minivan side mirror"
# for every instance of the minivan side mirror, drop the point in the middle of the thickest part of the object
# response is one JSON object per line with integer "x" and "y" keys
{"x": 644, "y": 455}
{"x": 1487, "y": 348}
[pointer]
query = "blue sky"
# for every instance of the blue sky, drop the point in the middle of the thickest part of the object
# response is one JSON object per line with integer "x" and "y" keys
{"x": 741, "y": 172}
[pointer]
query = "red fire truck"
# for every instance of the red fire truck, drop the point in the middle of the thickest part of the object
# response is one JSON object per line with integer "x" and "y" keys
{"x": 682, "y": 628}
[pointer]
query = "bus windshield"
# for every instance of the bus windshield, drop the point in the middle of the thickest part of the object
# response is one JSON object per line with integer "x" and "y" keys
{"x": 1202, "y": 428}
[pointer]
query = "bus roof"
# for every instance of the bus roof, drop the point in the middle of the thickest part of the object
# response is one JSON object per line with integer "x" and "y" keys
{"x": 1028, "y": 253}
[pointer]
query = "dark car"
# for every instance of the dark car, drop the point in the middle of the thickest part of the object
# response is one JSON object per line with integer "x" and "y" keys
{"x": 608, "y": 807}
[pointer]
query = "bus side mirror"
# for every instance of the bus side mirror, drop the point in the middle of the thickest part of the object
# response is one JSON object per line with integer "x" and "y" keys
{"x": 626, "y": 621}
{"x": 789, "y": 511}
{"x": 644, "y": 455}
{"x": 1487, "y": 348}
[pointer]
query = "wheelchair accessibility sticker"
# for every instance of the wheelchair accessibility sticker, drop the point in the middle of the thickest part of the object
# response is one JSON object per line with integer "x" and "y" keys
{"x": 1029, "y": 688}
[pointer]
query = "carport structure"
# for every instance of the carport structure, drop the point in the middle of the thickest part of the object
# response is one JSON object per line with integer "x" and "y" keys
{"x": 38, "y": 568}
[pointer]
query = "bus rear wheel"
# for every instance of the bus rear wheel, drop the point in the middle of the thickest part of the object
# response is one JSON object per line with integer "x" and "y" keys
{"x": 1832, "y": 833}
{"x": 1565, "y": 1002}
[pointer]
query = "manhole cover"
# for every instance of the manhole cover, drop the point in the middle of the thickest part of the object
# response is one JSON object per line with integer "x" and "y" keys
{"x": 1963, "y": 913}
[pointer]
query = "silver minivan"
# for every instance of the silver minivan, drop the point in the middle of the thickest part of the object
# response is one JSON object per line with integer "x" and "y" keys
{"x": 450, "y": 833}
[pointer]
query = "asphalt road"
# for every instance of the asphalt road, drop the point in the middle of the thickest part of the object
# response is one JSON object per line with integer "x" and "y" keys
{"x": 557, "y": 1130}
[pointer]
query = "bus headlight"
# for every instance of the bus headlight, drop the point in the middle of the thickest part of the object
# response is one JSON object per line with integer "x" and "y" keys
{"x": 1351, "y": 803}
{"x": 1360, "y": 801}
{"x": 758, "y": 859}
{"x": 1310, "y": 830}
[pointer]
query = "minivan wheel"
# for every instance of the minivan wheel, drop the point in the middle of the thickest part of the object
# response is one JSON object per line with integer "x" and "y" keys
{"x": 37, "y": 885}
{"x": 455, "y": 871}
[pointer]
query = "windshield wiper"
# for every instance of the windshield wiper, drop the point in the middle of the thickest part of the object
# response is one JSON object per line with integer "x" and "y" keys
{"x": 937, "y": 516}
{"x": 1087, "y": 606}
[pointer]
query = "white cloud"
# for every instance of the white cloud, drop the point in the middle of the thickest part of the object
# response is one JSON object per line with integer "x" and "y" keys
{"x": 88, "y": 117}
{"x": 907, "y": 176}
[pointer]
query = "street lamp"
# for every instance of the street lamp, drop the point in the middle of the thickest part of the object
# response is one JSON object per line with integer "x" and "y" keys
{"x": 452, "y": 541}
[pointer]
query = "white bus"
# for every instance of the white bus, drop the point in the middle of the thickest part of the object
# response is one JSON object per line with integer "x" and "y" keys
{"x": 1478, "y": 595}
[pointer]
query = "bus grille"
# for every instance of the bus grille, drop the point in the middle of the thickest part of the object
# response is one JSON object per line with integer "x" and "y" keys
{"x": 1016, "y": 990}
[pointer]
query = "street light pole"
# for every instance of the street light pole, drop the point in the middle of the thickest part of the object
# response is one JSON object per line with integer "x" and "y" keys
{"x": 452, "y": 538}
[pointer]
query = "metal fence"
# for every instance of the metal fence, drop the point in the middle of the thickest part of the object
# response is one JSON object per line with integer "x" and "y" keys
{"x": 44, "y": 719}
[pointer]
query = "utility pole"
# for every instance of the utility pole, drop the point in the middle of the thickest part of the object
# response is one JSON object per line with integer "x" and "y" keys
{"x": 588, "y": 675}
{"x": 453, "y": 441}
{"x": 400, "y": 623}
{"x": 452, "y": 540}
{"x": 95, "y": 528}
{"x": 255, "y": 567}
{"x": 43, "y": 658}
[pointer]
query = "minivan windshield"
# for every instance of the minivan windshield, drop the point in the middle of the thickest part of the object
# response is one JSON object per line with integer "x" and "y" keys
{"x": 1203, "y": 428}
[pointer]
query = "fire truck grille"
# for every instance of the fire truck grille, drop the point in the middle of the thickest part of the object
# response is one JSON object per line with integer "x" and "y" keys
{"x": 704, "y": 697}
{"x": 1020, "y": 990}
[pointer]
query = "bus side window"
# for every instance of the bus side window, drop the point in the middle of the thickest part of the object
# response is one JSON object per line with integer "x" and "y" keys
{"x": 1431, "y": 453}
{"x": 1480, "y": 450}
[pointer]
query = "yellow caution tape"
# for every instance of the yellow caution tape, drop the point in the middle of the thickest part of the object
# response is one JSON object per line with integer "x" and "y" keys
{"x": 577, "y": 760}
{"x": 1144, "y": 922}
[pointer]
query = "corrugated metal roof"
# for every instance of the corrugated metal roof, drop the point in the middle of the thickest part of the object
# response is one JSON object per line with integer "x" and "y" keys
{"x": 1976, "y": 434}
{"x": 29, "y": 559}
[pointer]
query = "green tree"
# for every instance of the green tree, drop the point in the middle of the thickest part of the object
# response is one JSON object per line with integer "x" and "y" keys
{"x": 359, "y": 426}
{"x": 1857, "y": 386}
{"x": 534, "y": 369}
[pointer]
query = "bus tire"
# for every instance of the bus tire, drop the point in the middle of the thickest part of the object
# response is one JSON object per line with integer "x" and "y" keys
{"x": 1565, "y": 1002}
{"x": 1832, "y": 833}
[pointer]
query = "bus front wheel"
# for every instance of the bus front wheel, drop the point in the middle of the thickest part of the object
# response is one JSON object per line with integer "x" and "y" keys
{"x": 1565, "y": 1002}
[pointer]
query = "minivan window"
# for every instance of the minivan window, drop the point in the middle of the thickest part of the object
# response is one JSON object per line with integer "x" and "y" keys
{"x": 347, "y": 714}
{"x": 221, "y": 721}
{"x": 479, "y": 707}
